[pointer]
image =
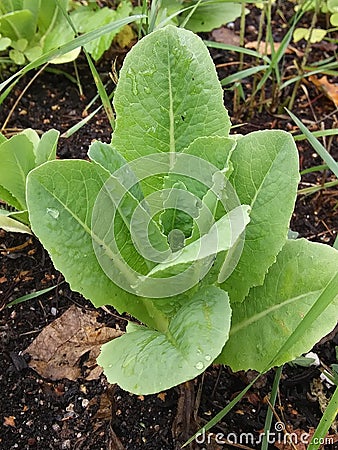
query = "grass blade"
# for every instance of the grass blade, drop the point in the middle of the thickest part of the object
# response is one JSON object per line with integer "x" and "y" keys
{"x": 318, "y": 147}
{"x": 314, "y": 189}
{"x": 242, "y": 74}
{"x": 335, "y": 245}
{"x": 329, "y": 293}
{"x": 32, "y": 295}
{"x": 269, "y": 414}
{"x": 235, "y": 48}
{"x": 219, "y": 416}
{"x": 80, "y": 124}
{"x": 325, "y": 422}
{"x": 321, "y": 133}
{"x": 102, "y": 92}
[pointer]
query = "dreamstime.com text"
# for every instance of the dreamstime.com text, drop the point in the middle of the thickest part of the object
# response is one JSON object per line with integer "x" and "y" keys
{"x": 280, "y": 435}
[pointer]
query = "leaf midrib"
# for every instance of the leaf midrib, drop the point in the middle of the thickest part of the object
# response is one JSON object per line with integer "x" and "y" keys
{"x": 93, "y": 236}
{"x": 255, "y": 318}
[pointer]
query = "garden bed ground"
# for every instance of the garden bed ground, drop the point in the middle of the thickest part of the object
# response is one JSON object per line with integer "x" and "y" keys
{"x": 38, "y": 413}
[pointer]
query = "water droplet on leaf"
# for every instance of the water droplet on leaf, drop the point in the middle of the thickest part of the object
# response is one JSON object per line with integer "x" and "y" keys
{"x": 199, "y": 365}
{"x": 207, "y": 357}
{"x": 53, "y": 212}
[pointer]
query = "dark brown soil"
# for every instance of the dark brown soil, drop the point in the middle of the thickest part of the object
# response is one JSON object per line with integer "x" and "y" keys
{"x": 38, "y": 413}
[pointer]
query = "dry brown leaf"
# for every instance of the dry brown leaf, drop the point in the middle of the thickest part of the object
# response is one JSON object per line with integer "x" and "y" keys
{"x": 265, "y": 49}
{"x": 58, "y": 349}
{"x": 225, "y": 36}
{"x": 3, "y": 280}
{"x": 329, "y": 89}
{"x": 162, "y": 396}
{"x": 9, "y": 421}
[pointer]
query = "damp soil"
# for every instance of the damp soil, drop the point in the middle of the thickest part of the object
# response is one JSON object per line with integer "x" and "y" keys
{"x": 38, "y": 413}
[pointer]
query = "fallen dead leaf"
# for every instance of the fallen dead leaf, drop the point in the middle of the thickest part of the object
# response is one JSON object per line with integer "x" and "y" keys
{"x": 265, "y": 48}
{"x": 57, "y": 351}
{"x": 162, "y": 396}
{"x": 329, "y": 89}
{"x": 9, "y": 421}
{"x": 3, "y": 280}
{"x": 225, "y": 36}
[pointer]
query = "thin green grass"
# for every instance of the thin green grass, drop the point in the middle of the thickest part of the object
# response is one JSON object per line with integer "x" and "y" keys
{"x": 318, "y": 147}
{"x": 219, "y": 416}
{"x": 318, "y": 439}
{"x": 243, "y": 74}
{"x": 321, "y": 133}
{"x": 313, "y": 189}
{"x": 269, "y": 414}
{"x": 33, "y": 295}
{"x": 98, "y": 82}
{"x": 80, "y": 124}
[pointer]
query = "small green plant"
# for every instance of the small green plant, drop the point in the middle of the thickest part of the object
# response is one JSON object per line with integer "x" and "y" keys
{"x": 29, "y": 29}
{"x": 19, "y": 155}
{"x": 198, "y": 15}
{"x": 185, "y": 227}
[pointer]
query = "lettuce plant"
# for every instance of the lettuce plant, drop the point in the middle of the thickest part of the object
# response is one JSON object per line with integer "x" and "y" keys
{"x": 185, "y": 227}
{"x": 30, "y": 28}
{"x": 19, "y": 155}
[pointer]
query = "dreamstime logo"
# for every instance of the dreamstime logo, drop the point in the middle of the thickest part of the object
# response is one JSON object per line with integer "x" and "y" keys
{"x": 129, "y": 243}
{"x": 280, "y": 436}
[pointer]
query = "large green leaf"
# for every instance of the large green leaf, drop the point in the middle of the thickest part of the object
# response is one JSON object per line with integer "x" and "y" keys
{"x": 18, "y": 24}
{"x": 60, "y": 198}
{"x": 266, "y": 177}
{"x": 17, "y": 159}
{"x": 210, "y": 16}
{"x": 46, "y": 148}
{"x": 168, "y": 95}
{"x": 9, "y": 224}
{"x": 266, "y": 319}
{"x": 147, "y": 361}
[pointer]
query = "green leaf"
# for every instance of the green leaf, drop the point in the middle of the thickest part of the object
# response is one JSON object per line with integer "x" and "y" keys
{"x": 73, "y": 44}
{"x": 208, "y": 17}
{"x": 61, "y": 34}
{"x": 33, "y": 136}
{"x": 179, "y": 211}
{"x": 17, "y": 57}
{"x": 2, "y": 138}
{"x": 4, "y": 43}
{"x": 316, "y": 35}
{"x": 17, "y": 159}
{"x": 7, "y": 223}
{"x": 185, "y": 268}
{"x": 20, "y": 44}
{"x": 86, "y": 20}
{"x": 265, "y": 176}
{"x": 46, "y": 149}
{"x": 60, "y": 198}
{"x": 271, "y": 313}
{"x": 8, "y": 198}
{"x": 168, "y": 95}
{"x": 196, "y": 165}
{"x": 18, "y": 24}
{"x": 33, "y": 53}
{"x": 334, "y": 19}
{"x": 147, "y": 361}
